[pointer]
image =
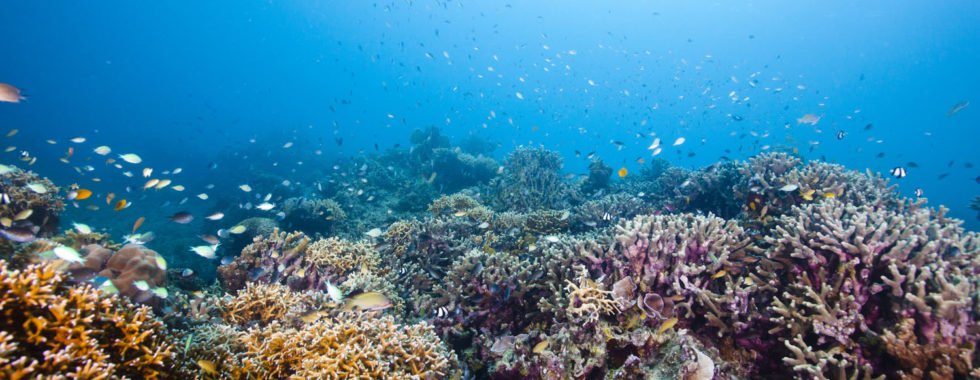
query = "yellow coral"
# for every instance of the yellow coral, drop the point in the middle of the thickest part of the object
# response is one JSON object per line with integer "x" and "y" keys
{"x": 343, "y": 255}
{"x": 587, "y": 298}
{"x": 268, "y": 302}
{"x": 49, "y": 328}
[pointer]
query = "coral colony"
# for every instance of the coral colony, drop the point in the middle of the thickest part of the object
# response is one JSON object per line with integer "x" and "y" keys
{"x": 460, "y": 267}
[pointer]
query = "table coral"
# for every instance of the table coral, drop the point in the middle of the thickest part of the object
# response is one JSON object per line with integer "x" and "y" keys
{"x": 51, "y": 329}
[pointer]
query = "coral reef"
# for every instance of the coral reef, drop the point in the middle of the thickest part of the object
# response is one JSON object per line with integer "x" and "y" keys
{"x": 312, "y": 214}
{"x": 852, "y": 272}
{"x": 29, "y": 202}
{"x": 52, "y": 330}
{"x": 125, "y": 268}
{"x": 532, "y": 180}
{"x": 598, "y": 178}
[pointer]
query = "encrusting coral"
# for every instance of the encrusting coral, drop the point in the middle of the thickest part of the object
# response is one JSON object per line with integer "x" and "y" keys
{"x": 51, "y": 330}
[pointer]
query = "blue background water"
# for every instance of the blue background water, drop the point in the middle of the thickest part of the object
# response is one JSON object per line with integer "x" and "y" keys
{"x": 187, "y": 83}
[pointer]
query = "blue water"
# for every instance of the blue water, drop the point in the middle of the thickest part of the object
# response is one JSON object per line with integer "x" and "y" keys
{"x": 187, "y": 84}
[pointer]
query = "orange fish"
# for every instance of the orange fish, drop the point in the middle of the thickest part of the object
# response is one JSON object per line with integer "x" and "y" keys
{"x": 120, "y": 204}
{"x": 109, "y": 161}
{"x": 139, "y": 222}
{"x": 622, "y": 172}
{"x": 83, "y": 194}
{"x": 71, "y": 151}
{"x": 108, "y": 198}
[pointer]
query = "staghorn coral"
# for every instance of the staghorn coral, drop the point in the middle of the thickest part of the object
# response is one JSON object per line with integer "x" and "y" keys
{"x": 52, "y": 330}
{"x": 460, "y": 203}
{"x": 265, "y": 303}
{"x": 587, "y": 299}
{"x": 852, "y": 271}
{"x": 342, "y": 256}
{"x": 532, "y": 180}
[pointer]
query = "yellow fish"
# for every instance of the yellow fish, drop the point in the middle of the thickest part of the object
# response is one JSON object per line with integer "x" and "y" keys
{"x": 208, "y": 367}
{"x": 370, "y": 301}
{"x": 719, "y": 274}
{"x": 541, "y": 346}
{"x": 622, "y": 172}
{"x": 120, "y": 204}
{"x": 667, "y": 325}
{"x": 807, "y": 195}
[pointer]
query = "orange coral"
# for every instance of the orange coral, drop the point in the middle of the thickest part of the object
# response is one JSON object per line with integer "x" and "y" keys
{"x": 48, "y": 328}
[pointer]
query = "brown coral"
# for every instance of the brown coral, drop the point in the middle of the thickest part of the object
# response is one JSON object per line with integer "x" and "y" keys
{"x": 130, "y": 264}
{"x": 265, "y": 303}
{"x": 50, "y": 329}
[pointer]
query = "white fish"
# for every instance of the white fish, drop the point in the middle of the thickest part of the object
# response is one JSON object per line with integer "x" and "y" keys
{"x": 551, "y": 238}
{"x": 177, "y": 171}
{"x": 131, "y": 158}
{"x": 265, "y": 206}
{"x": 246, "y": 188}
{"x": 82, "y": 228}
{"x": 37, "y": 188}
{"x": 205, "y": 251}
{"x": 68, "y": 254}
{"x": 215, "y": 216}
{"x": 374, "y": 232}
{"x": 335, "y": 293}
{"x": 78, "y": 140}
{"x": 679, "y": 141}
{"x": 102, "y": 150}
{"x": 203, "y": 196}
{"x": 789, "y": 187}
{"x": 141, "y": 285}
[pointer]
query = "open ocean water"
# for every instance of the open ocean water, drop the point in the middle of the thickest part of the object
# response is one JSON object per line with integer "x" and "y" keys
{"x": 192, "y": 129}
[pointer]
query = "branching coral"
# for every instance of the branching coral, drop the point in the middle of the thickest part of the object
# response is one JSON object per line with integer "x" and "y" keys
{"x": 51, "y": 329}
{"x": 586, "y": 299}
{"x": 264, "y": 303}
{"x": 853, "y": 271}
{"x": 532, "y": 180}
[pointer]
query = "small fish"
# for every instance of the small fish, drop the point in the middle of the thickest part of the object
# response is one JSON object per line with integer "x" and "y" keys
{"x": 667, "y": 325}
{"x": 368, "y": 301}
{"x": 235, "y": 230}
{"x": 161, "y": 262}
{"x": 68, "y": 254}
{"x": 374, "y": 232}
{"x": 208, "y": 367}
{"x": 120, "y": 204}
{"x": 541, "y": 346}
{"x": 82, "y": 228}
{"x": 246, "y": 188}
{"x": 551, "y": 238}
{"x": 138, "y": 223}
{"x": 177, "y": 187}
{"x": 898, "y": 172}
{"x": 807, "y": 195}
{"x": 160, "y": 292}
{"x": 147, "y": 172}
{"x": 19, "y": 234}
{"x": 131, "y": 158}
{"x": 12, "y": 132}
{"x": 37, "y": 188}
{"x": 10, "y": 94}
{"x": 334, "y": 292}
{"x": 957, "y": 108}
{"x": 211, "y": 239}
{"x": 205, "y": 251}
{"x": 459, "y": 213}
{"x": 102, "y": 150}
{"x": 718, "y": 274}
{"x": 109, "y": 197}
{"x": 840, "y": 135}
{"x": 182, "y": 217}
{"x": 163, "y": 183}
{"x": 187, "y": 273}
{"x": 150, "y": 183}
{"x": 808, "y": 119}
{"x": 265, "y": 206}
{"x": 216, "y": 216}
{"x": 829, "y": 195}
{"x": 622, "y": 172}
{"x": 82, "y": 194}
{"x": 24, "y": 214}
{"x": 141, "y": 285}
{"x": 790, "y": 187}
{"x": 312, "y": 316}
{"x": 919, "y": 192}
{"x": 203, "y": 196}
{"x": 679, "y": 141}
